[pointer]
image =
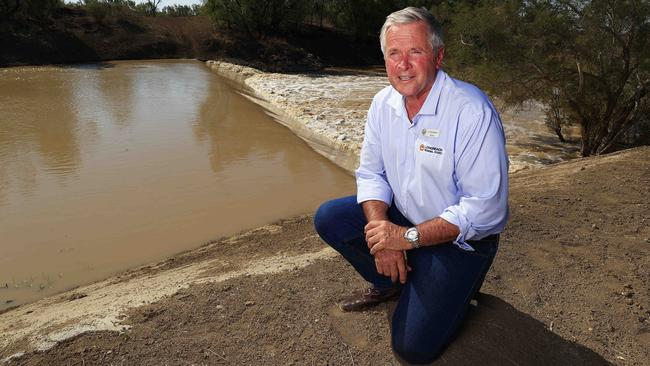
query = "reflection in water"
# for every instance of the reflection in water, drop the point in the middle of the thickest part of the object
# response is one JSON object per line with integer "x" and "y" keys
{"x": 117, "y": 96}
{"x": 212, "y": 124}
{"x": 104, "y": 168}
{"x": 37, "y": 126}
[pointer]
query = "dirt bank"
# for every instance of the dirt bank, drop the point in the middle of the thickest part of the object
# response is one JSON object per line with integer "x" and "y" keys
{"x": 568, "y": 287}
{"x": 71, "y": 35}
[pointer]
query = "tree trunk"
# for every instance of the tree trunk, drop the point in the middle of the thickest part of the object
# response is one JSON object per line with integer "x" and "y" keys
{"x": 585, "y": 139}
{"x": 558, "y": 132}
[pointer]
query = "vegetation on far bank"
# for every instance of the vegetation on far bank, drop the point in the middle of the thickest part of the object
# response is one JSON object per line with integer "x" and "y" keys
{"x": 586, "y": 60}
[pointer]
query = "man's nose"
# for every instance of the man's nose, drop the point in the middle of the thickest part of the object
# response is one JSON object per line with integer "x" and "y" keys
{"x": 404, "y": 62}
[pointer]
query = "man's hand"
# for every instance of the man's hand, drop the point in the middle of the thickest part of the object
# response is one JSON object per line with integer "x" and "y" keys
{"x": 392, "y": 263}
{"x": 383, "y": 234}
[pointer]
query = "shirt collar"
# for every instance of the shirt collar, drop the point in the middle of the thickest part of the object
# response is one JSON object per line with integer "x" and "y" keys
{"x": 430, "y": 106}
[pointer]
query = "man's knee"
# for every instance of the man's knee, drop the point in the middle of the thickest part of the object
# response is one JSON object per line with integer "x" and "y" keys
{"x": 331, "y": 214}
{"x": 417, "y": 352}
{"x": 324, "y": 218}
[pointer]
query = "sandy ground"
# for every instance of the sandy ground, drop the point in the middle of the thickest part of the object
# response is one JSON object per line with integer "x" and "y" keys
{"x": 569, "y": 286}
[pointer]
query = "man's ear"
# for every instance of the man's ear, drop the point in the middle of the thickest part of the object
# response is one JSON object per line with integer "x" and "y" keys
{"x": 439, "y": 56}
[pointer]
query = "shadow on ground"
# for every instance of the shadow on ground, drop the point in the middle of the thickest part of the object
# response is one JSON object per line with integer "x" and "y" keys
{"x": 495, "y": 333}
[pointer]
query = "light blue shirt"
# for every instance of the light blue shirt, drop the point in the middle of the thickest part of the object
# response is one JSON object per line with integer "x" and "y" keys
{"x": 451, "y": 162}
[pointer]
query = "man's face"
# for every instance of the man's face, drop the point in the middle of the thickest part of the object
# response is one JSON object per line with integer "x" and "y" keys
{"x": 411, "y": 62}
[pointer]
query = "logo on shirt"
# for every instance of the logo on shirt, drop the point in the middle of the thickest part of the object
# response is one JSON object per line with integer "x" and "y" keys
{"x": 431, "y": 149}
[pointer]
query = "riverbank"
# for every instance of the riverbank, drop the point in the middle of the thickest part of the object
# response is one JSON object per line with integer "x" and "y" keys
{"x": 568, "y": 287}
{"x": 72, "y": 35}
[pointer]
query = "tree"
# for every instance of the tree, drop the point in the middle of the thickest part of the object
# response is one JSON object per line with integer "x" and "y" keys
{"x": 258, "y": 17}
{"x": 179, "y": 11}
{"x": 8, "y": 8}
{"x": 587, "y": 60}
{"x": 364, "y": 17}
{"x": 106, "y": 9}
{"x": 33, "y": 9}
{"x": 152, "y": 6}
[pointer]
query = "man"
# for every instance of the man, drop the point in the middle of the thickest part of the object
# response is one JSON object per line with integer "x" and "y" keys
{"x": 432, "y": 192}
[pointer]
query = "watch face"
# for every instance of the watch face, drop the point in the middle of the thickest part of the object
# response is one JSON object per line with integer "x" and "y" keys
{"x": 412, "y": 235}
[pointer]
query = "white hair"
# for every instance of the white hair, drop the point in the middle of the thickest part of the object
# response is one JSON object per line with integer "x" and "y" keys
{"x": 411, "y": 15}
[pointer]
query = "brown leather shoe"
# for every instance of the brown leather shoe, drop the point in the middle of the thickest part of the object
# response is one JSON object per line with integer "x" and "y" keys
{"x": 370, "y": 297}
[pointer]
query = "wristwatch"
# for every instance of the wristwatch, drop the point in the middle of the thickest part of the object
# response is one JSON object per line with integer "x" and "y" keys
{"x": 413, "y": 237}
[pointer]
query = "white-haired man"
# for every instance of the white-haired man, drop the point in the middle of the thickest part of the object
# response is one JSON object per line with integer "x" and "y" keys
{"x": 432, "y": 192}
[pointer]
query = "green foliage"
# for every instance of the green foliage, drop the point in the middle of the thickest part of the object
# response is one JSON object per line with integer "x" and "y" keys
{"x": 28, "y": 9}
{"x": 365, "y": 17}
{"x": 102, "y": 9}
{"x": 258, "y": 17}
{"x": 587, "y": 60}
{"x": 179, "y": 11}
{"x": 149, "y": 7}
{"x": 199, "y": 9}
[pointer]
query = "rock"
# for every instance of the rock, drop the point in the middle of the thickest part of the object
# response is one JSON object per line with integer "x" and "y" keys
{"x": 226, "y": 288}
{"x": 77, "y": 296}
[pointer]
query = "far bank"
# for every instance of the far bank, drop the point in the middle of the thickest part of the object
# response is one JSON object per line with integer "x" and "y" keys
{"x": 71, "y": 35}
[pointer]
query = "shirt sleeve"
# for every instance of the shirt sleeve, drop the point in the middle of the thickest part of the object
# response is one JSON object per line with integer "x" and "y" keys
{"x": 481, "y": 176}
{"x": 371, "y": 174}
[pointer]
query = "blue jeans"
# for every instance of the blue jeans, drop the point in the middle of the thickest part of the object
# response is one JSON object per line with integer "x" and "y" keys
{"x": 435, "y": 298}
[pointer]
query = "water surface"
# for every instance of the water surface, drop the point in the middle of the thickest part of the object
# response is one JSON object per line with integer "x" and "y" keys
{"x": 107, "y": 166}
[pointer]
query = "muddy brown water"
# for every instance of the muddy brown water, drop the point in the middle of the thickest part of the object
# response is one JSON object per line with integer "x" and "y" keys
{"x": 104, "y": 167}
